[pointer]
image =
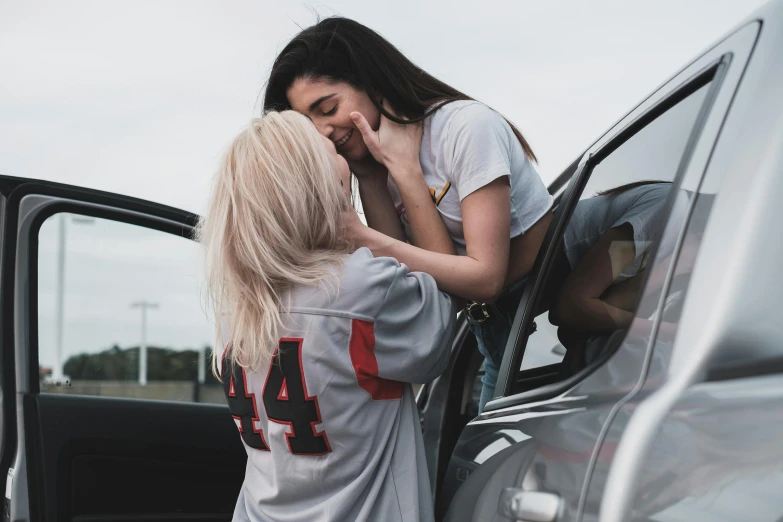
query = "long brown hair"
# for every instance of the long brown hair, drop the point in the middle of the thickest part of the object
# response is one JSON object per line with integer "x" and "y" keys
{"x": 343, "y": 50}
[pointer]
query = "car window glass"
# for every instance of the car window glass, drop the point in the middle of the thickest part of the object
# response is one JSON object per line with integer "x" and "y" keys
{"x": 111, "y": 293}
{"x": 678, "y": 288}
{"x": 613, "y": 245}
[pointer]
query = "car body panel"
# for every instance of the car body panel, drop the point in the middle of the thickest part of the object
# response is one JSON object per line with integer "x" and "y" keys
{"x": 563, "y": 436}
{"x": 716, "y": 456}
{"x": 732, "y": 303}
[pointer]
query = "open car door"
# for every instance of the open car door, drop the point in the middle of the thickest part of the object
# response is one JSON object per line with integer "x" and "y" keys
{"x": 106, "y": 389}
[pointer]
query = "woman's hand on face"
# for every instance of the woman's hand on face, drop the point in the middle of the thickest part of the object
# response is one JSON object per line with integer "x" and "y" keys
{"x": 368, "y": 170}
{"x": 394, "y": 145}
{"x": 344, "y": 175}
{"x": 352, "y": 226}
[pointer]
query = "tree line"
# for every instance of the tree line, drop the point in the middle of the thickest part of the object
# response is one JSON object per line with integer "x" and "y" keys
{"x": 118, "y": 364}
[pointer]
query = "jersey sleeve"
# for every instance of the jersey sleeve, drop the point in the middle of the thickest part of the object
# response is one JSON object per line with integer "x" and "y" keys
{"x": 479, "y": 141}
{"x": 414, "y": 328}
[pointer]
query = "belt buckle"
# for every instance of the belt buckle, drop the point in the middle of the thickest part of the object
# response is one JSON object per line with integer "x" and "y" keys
{"x": 482, "y": 307}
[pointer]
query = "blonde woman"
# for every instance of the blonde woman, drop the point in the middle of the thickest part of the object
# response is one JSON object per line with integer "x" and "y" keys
{"x": 320, "y": 343}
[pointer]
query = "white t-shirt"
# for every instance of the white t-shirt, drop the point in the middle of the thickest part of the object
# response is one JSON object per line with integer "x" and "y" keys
{"x": 644, "y": 209}
{"x": 641, "y": 207}
{"x": 465, "y": 146}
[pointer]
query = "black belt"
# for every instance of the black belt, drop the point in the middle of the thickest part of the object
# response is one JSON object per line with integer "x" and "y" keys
{"x": 505, "y": 304}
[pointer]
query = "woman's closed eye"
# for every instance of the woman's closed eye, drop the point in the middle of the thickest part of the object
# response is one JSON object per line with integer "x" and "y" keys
{"x": 331, "y": 111}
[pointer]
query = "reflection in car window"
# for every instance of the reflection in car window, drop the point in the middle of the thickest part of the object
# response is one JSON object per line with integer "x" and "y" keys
{"x": 107, "y": 290}
{"x": 607, "y": 249}
{"x": 678, "y": 288}
{"x": 611, "y": 248}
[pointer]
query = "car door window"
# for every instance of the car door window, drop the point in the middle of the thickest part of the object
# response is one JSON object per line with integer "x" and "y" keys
{"x": 119, "y": 312}
{"x": 610, "y": 261}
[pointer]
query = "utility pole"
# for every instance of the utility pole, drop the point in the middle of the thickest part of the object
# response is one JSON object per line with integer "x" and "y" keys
{"x": 144, "y": 305}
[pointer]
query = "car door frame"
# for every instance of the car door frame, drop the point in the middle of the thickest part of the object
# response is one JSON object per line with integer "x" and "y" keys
{"x": 728, "y": 58}
{"x": 723, "y": 57}
{"x": 29, "y": 203}
{"x": 435, "y": 399}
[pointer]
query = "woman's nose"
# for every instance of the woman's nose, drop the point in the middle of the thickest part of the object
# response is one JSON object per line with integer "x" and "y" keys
{"x": 326, "y": 129}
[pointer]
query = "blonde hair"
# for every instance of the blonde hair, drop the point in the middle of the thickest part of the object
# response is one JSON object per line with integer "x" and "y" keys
{"x": 273, "y": 223}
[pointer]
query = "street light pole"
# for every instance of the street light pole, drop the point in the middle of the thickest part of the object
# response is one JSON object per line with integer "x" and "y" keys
{"x": 202, "y": 362}
{"x": 144, "y": 305}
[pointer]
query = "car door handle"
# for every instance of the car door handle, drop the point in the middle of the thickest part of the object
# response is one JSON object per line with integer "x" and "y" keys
{"x": 530, "y": 506}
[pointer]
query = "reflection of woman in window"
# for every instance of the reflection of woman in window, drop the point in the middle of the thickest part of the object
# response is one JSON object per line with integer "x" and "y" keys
{"x": 322, "y": 341}
{"x": 448, "y": 185}
{"x": 606, "y": 253}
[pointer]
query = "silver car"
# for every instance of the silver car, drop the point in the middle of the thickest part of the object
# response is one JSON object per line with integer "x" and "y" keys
{"x": 676, "y": 412}
{"x": 642, "y": 379}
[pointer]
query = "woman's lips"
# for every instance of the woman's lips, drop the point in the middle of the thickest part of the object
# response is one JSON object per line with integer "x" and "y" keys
{"x": 342, "y": 141}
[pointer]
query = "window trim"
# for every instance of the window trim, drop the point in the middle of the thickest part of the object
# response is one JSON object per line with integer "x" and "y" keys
{"x": 100, "y": 205}
{"x": 712, "y": 73}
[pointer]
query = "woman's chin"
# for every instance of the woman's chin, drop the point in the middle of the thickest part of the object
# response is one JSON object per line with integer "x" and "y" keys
{"x": 356, "y": 154}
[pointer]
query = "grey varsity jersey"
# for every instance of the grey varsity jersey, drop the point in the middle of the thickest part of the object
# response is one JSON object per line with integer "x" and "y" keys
{"x": 331, "y": 427}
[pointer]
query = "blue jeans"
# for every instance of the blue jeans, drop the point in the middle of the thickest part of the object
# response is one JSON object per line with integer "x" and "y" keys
{"x": 491, "y": 337}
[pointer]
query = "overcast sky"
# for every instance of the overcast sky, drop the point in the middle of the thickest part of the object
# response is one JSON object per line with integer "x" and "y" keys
{"x": 141, "y": 97}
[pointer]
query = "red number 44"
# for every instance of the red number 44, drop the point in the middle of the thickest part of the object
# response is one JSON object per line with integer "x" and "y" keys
{"x": 285, "y": 400}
